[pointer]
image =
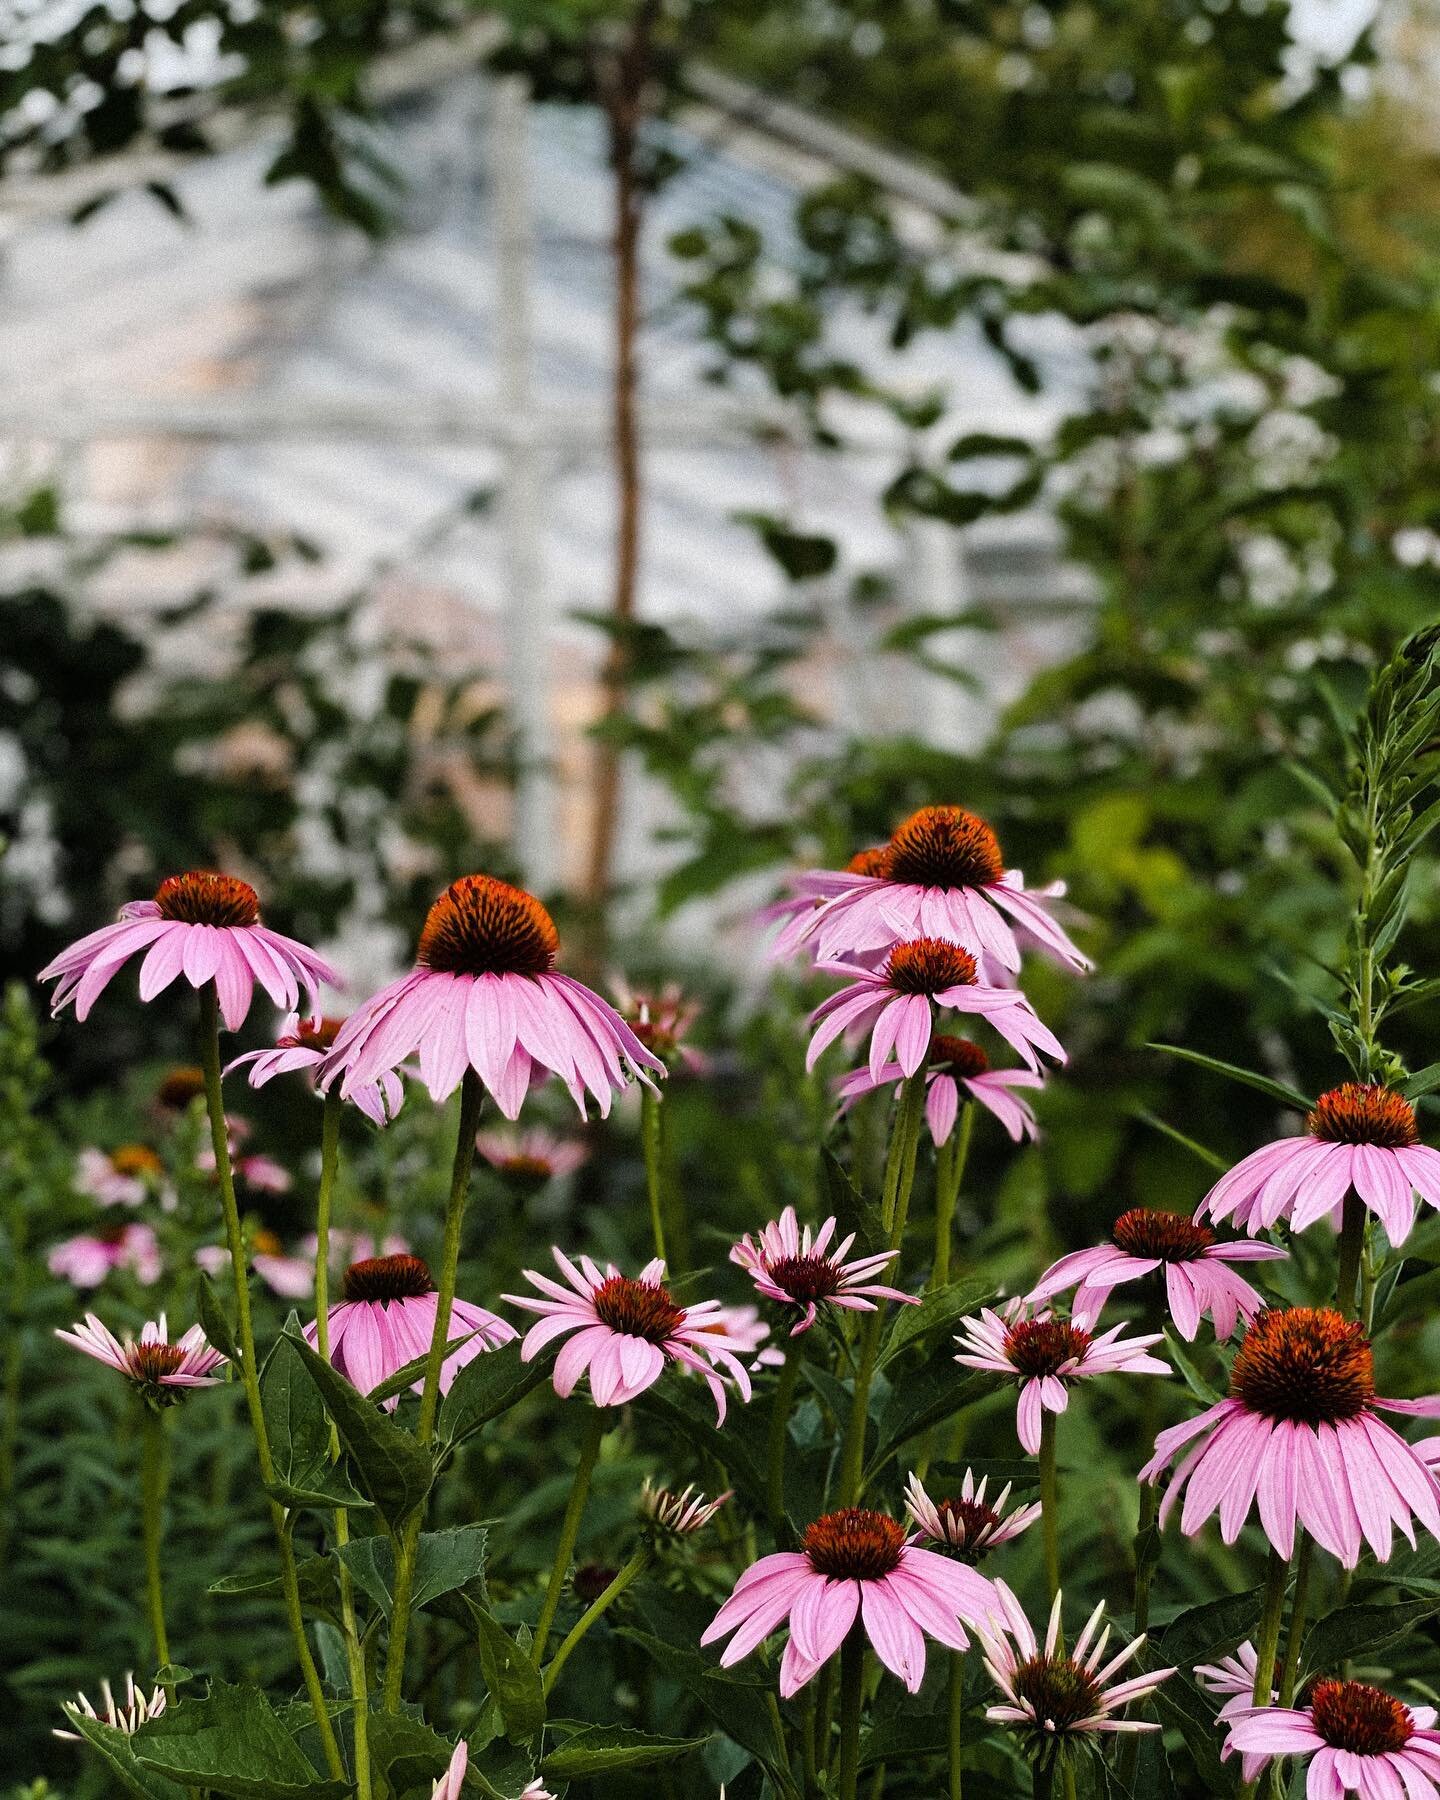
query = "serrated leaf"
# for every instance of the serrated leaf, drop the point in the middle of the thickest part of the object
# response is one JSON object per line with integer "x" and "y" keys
{"x": 512, "y": 1678}
{"x": 1277, "y": 1090}
{"x": 232, "y": 1742}
{"x": 315, "y": 1574}
{"x": 114, "y": 1749}
{"x": 599, "y": 1749}
{"x": 395, "y": 1467}
{"x": 300, "y": 1436}
{"x": 406, "y": 1751}
{"x": 1361, "y": 1630}
{"x": 1213, "y": 1628}
{"x": 731, "y": 1704}
{"x": 1180, "y": 1704}
{"x": 444, "y": 1561}
{"x": 484, "y": 1389}
{"x": 940, "y": 1310}
{"x": 1182, "y": 1355}
{"x": 936, "y": 1391}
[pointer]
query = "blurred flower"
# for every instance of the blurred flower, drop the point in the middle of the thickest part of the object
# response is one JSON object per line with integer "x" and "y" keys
{"x": 153, "y": 1363}
{"x": 291, "y": 1276}
{"x": 386, "y": 1319}
{"x": 955, "y": 1063}
{"x": 86, "y": 1260}
{"x": 796, "y": 1268}
{"x": 257, "y": 1171}
{"x": 1357, "y": 1739}
{"x": 302, "y": 1044}
{"x": 1045, "y": 1355}
{"x": 628, "y": 1331}
{"x": 679, "y": 1515}
{"x": 1357, "y": 1137}
{"x": 1298, "y": 1436}
{"x": 486, "y": 995}
{"x": 203, "y": 926}
{"x": 662, "y": 1022}
{"x": 966, "y": 1524}
{"x": 127, "y": 1715}
{"x": 853, "y": 1564}
{"x": 355, "y": 1246}
{"x": 744, "y": 1326}
{"x": 1197, "y": 1278}
{"x": 533, "y": 1157}
{"x": 180, "y": 1087}
{"x": 123, "y": 1177}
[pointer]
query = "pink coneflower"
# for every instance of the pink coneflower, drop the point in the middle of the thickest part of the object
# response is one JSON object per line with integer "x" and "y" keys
{"x": 1045, "y": 1354}
{"x": 531, "y": 1158}
{"x": 179, "y": 1088}
{"x": 386, "y": 1319}
{"x": 153, "y": 1363}
{"x": 1056, "y": 1701}
{"x": 628, "y": 1331}
{"x": 853, "y": 1565}
{"x": 292, "y": 1277}
{"x": 941, "y": 875}
{"x": 126, "y": 1715}
{"x": 1358, "y": 1740}
{"x": 744, "y": 1326}
{"x": 662, "y": 1022}
{"x": 1299, "y": 1438}
{"x": 966, "y": 1523}
{"x": 955, "y": 1063}
{"x": 895, "y": 1004}
{"x": 86, "y": 1260}
{"x": 205, "y": 927}
{"x": 797, "y": 1268}
{"x": 1198, "y": 1279}
{"x": 1232, "y": 1679}
{"x": 486, "y": 995}
{"x": 678, "y": 1515}
{"x": 303, "y": 1043}
{"x": 1357, "y": 1137}
{"x": 122, "y": 1177}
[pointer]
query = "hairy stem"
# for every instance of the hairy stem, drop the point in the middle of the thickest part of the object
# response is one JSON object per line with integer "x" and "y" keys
{"x": 654, "y": 1183}
{"x": 1049, "y": 1504}
{"x": 1352, "y": 1250}
{"x": 595, "y": 1425}
{"x": 1267, "y": 1639}
{"x": 154, "y": 1480}
{"x": 949, "y": 1174}
{"x": 1299, "y": 1608}
{"x": 597, "y": 1609}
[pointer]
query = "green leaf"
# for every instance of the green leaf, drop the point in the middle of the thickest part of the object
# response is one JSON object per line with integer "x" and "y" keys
{"x": 1424, "y": 1081}
{"x": 853, "y": 1210}
{"x": 1022, "y": 1473}
{"x": 512, "y": 1678}
{"x": 599, "y": 1749}
{"x": 232, "y": 1742}
{"x": 499, "y": 1770}
{"x": 1179, "y": 1703}
{"x": 114, "y": 1749}
{"x": 394, "y": 1466}
{"x": 1213, "y": 1628}
{"x": 1183, "y": 1356}
{"x": 1208, "y": 1157}
{"x": 406, "y": 1751}
{"x": 936, "y": 1391}
{"x": 1277, "y": 1090}
{"x": 214, "y": 1322}
{"x": 741, "y": 1447}
{"x": 300, "y": 1436}
{"x": 409, "y": 1373}
{"x": 939, "y": 1311}
{"x": 1351, "y": 1632}
{"x": 733, "y": 1705}
{"x": 444, "y": 1561}
{"x": 316, "y": 1576}
{"x": 484, "y": 1389}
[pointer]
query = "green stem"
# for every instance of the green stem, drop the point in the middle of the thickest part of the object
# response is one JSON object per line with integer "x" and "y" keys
{"x": 154, "y": 1479}
{"x": 955, "y": 1734}
{"x": 595, "y": 1425}
{"x": 598, "y": 1607}
{"x": 852, "y": 1682}
{"x": 472, "y": 1096}
{"x": 250, "y": 1373}
{"x": 1068, "y": 1776}
{"x": 654, "y": 1186}
{"x": 949, "y": 1174}
{"x": 1299, "y": 1608}
{"x": 1049, "y": 1504}
{"x": 1144, "y": 1562}
{"x": 1352, "y": 1250}
{"x": 778, "y": 1438}
{"x": 1267, "y": 1639}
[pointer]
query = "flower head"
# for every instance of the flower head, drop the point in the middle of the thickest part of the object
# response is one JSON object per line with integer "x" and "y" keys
{"x": 957, "y": 1069}
{"x": 678, "y": 1515}
{"x": 1045, "y": 1355}
{"x": 662, "y": 1022}
{"x": 485, "y": 994}
{"x": 122, "y": 1177}
{"x": 386, "y": 1319}
{"x": 967, "y": 1524}
{"x": 84, "y": 1261}
{"x": 1356, "y": 1738}
{"x": 627, "y": 1330}
{"x": 203, "y": 926}
{"x": 745, "y": 1328}
{"x": 158, "y": 1368}
{"x": 179, "y": 1087}
{"x": 1298, "y": 1436}
{"x": 853, "y": 1564}
{"x": 798, "y": 1269}
{"x": 1198, "y": 1278}
{"x": 528, "y": 1159}
{"x": 303, "y": 1043}
{"x": 126, "y": 1715}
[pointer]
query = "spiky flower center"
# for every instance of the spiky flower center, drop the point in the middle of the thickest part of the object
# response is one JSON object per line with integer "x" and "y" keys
{"x": 638, "y": 1309}
{"x": 1044, "y": 1346}
{"x": 312, "y": 1034}
{"x": 945, "y": 847}
{"x": 1366, "y": 1721}
{"x": 180, "y": 1087}
{"x": 1304, "y": 1363}
{"x": 201, "y": 897}
{"x": 1062, "y": 1694}
{"x": 854, "y": 1544}
{"x": 388, "y": 1278}
{"x": 153, "y": 1362}
{"x": 967, "y": 1521}
{"x": 1356, "y": 1114}
{"x": 481, "y": 926}
{"x": 960, "y": 1056}
{"x": 874, "y": 862}
{"x": 526, "y": 1167}
{"x": 805, "y": 1278}
{"x": 1173, "y": 1237}
{"x": 135, "y": 1159}
{"x": 928, "y": 966}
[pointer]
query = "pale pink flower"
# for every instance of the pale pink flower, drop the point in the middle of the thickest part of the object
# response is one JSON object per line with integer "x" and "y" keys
{"x": 1357, "y": 1739}
{"x": 1357, "y": 1137}
{"x": 662, "y": 1021}
{"x": 1299, "y": 1438}
{"x": 895, "y": 1004}
{"x": 967, "y": 1523}
{"x": 534, "y": 1156}
{"x": 203, "y": 926}
{"x": 1054, "y": 1697}
{"x": 806, "y": 890}
{"x": 451, "y": 1784}
{"x": 486, "y": 995}
{"x": 292, "y": 1277}
{"x": 798, "y": 1269}
{"x": 957, "y": 1070}
{"x": 853, "y": 1564}
{"x": 126, "y": 1715}
{"x": 386, "y": 1319}
{"x": 1232, "y": 1679}
{"x": 84, "y": 1261}
{"x": 1198, "y": 1279}
{"x": 678, "y": 1515}
{"x": 122, "y": 1177}
{"x": 153, "y": 1363}
{"x": 744, "y": 1327}
{"x": 348, "y": 1246}
{"x": 302, "y": 1043}
{"x": 627, "y": 1330}
{"x": 1045, "y": 1355}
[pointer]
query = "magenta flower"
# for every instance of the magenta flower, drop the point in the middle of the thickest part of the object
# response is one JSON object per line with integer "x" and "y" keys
{"x": 853, "y": 1564}
{"x": 203, "y": 926}
{"x": 941, "y": 875}
{"x": 153, "y": 1363}
{"x": 303, "y": 1044}
{"x": 1358, "y": 1740}
{"x": 1357, "y": 1137}
{"x": 956, "y": 1063}
{"x": 1045, "y": 1355}
{"x": 1298, "y": 1437}
{"x": 123, "y": 1177}
{"x": 386, "y": 1319}
{"x": 86, "y": 1260}
{"x": 1232, "y": 1679}
{"x": 1056, "y": 1700}
{"x": 531, "y": 1158}
{"x": 1198, "y": 1279}
{"x": 798, "y": 1269}
{"x": 126, "y": 1715}
{"x": 895, "y": 1004}
{"x": 966, "y": 1524}
{"x": 627, "y": 1331}
{"x": 678, "y": 1515}
{"x": 486, "y": 995}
